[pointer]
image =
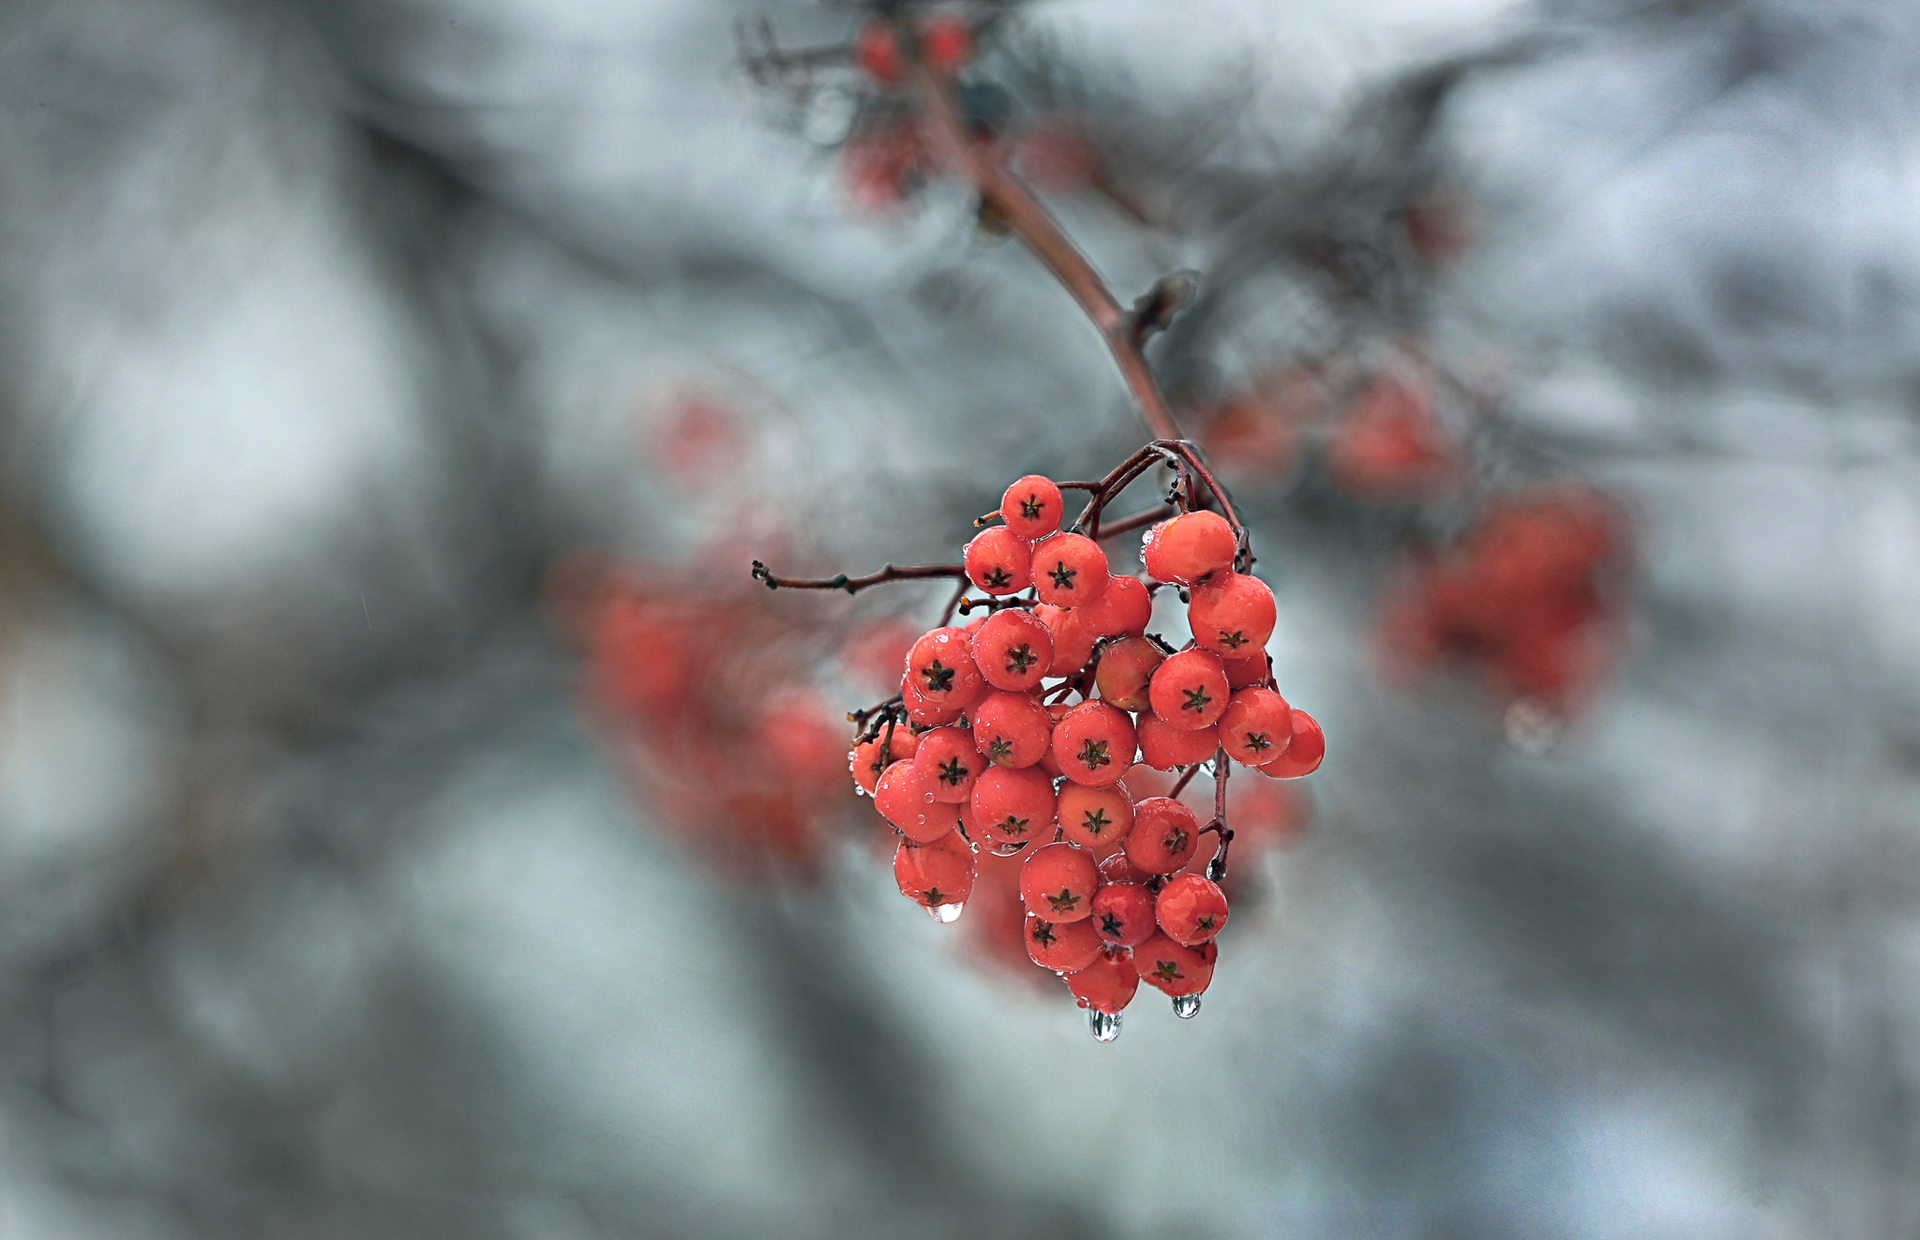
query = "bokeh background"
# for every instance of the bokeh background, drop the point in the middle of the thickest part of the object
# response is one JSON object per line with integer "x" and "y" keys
{"x": 381, "y": 379}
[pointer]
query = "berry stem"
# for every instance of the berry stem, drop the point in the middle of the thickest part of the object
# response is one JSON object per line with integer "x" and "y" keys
{"x": 853, "y": 585}
{"x": 1186, "y": 777}
{"x": 1217, "y": 868}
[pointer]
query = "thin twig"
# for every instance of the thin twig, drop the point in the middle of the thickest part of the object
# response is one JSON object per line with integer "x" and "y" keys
{"x": 1186, "y": 778}
{"x": 853, "y": 585}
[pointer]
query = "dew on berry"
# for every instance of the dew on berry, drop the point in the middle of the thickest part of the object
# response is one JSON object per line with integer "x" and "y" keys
{"x": 998, "y": 561}
{"x": 1188, "y": 547}
{"x": 1123, "y": 607}
{"x": 1072, "y": 644}
{"x": 1231, "y": 614}
{"x": 1058, "y": 881}
{"x": 1094, "y": 743}
{"x": 1165, "y": 835}
{"x": 1031, "y": 507}
{"x": 1257, "y": 726}
{"x": 1012, "y": 650}
{"x": 1069, "y": 570}
{"x": 1189, "y": 690}
{"x": 1126, "y": 668}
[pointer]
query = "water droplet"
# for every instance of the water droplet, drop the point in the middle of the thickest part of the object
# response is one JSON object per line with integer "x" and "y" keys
{"x": 1105, "y": 1025}
{"x": 1186, "y": 1007}
{"x": 927, "y": 797}
{"x": 1006, "y": 848}
{"x": 946, "y": 914}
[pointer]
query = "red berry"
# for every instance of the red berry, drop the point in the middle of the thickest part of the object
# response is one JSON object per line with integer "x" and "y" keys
{"x": 1304, "y": 754}
{"x": 1188, "y": 547}
{"x": 868, "y": 762}
{"x": 1189, "y": 690}
{"x": 922, "y": 712}
{"x": 1062, "y": 946}
{"x": 902, "y": 800}
{"x": 947, "y": 763}
{"x": 1123, "y": 914}
{"x": 1012, "y": 729}
{"x": 1257, "y": 726}
{"x": 998, "y": 561}
{"x": 1117, "y": 869}
{"x": 1231, "y": 613}
{"x": 1013, "y": 649}
{"x": 946, "y": 42}
{"x": 1171, "y": 968}
{"x": 941, "y": 668}
{"x": 1072, "y": 644}
{"x": 1058, "y": 882}
{"x": 1068, "y": 570}
{"x": 1048, "y": 763}
{"x": 1248, "y": 670}
{"x": 1093, "y": 743}
{"x": 1031, "y": 507}
{"x": 1190, "y": 909}
{"x": 934, "y": 873}
{"x": 1094, "y": 818}
{"x": 1013, "y": 808}
{"x": 1164, "y": 836}
{"x": 1164, "y": 746}
{"x": 877, "y": 50}
{"x": 1106, "y": 985}
{"x": 1126, "y": 666}
{"x": 1123, "y": 607}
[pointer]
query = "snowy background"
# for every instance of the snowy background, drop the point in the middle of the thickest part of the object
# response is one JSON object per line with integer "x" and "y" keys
{"x": 323, "y": 911}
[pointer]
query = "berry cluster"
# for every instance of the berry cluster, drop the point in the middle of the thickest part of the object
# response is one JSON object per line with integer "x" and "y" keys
{"x": 1012, "y": 736}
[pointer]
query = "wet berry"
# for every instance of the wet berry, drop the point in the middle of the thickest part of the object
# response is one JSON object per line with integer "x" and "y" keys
{"x": 1107, "y": 984}
{"x": 1123, "y": 914}
{"x": 1072, "y": 644}
{"x": 947, "y": 763}
{"x": 1171, "y": 968}
{"x": 1096, "y": 818}
{"x": 1117, "y": 869}
{"x": 902, "y": 800}
{"x": 1058, "y": 882}
{"x": 1190, "y": 909}
{"x": 1304, "y": 754}
{"x": 1123, "y": 607}
{"x": 1031, "y": 507}
{"x": 1247, "y": 670}
{"x": 1190, "y": 689}
{"x": 1165, "y": 835}
{"x": 1164, "y": 746}
{"x": 941, "y": 668}
{"x": 1126, "y": 666}
{"x": 1188, "y": 547}
{"x": 934, "y": 873}
{"x": 1068, "y": 570}
{"x": 998, "y": 560}
{"x": 1231, "y": 613}
{"x": 1013, "y": 649}
{"x": 1093, "y": 743}
{"x": 922, "y": 712}
{"x": 1012, "y": 808}
{"x": 1011, "y": 729}
{"x": 867, "y": 759}
{"x": 1257, "y": 727}
{"x": 1062, "y": 946}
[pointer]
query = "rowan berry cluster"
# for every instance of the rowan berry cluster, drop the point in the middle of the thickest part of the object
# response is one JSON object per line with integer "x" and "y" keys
{"x": 1012, "y": 734}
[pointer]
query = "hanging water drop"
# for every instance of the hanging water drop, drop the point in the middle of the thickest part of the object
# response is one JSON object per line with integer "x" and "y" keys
{"x": 1105, "y": 1025}
{"x": 1186, "y": 1007}
{"x": 946, "y": 914}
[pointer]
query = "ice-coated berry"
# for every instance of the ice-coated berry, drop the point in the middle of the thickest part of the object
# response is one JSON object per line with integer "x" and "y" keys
{"x": 1171, "y": 968}
{"x": 998, "y": 561}
{"x": 947, "y": 763}
{"x": 1304, "y": 754}
{"x": 1011, "y": 729}
{"x": 1012, "y": 808}
{"x": 1013, "y": 649}
{"x": 1069, "y": 570}
{"x": 1189, "y": 689}
{"x": 1062, "y": 946}
{"x": 1190, "y": 909}
{"x": 1093, "y": 743}
{"x": 868, "y": 761}
{"x": 1058, "y": 882}
{"x": 1117, "y": 869}
{"x": 1245, "y": 670}
{"x": 1031, "y": 507}
{"x": 1123, "y": 914}
{"x": 1123, "y": 607}
{"x": 1164, "y": 836}
{"x": 941, "y": 669}
{"x": 1257, "y": 726}
{"x": 1096, "y": 818}
{"x": 937, "y": 872}
{"x": 1126, "y": 667}
{"x": 922, "y": 712}
{"x": 1188, "y": 547}
{"x": 1072, "y": 644}
{"x": 1164, "y": 746}
{"x": 902, "y": 800}
{"x": 1107, "y": 984}
{"x": 1231, "y": 613}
